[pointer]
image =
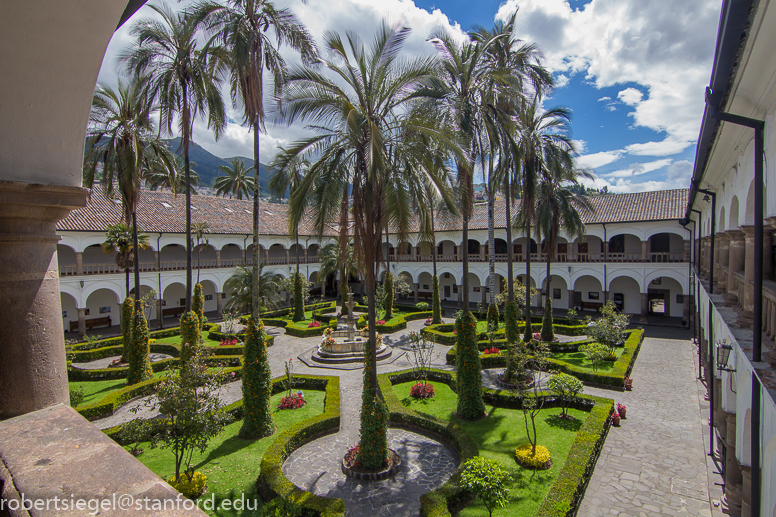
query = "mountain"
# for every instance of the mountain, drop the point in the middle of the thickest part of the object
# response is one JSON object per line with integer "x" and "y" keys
{"x": 206, "y": 164}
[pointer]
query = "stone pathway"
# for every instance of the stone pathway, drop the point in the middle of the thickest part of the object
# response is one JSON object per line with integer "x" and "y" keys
{"x": 655, "y": 464}
{"x": 100, "y": 364}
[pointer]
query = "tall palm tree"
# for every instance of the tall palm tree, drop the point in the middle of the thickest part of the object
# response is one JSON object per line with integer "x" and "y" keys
{"x": 242, "y": 27}
{"x": 120, "y": 239}
{"x": 157, "y": 178}
{"x": 557, "y": 206}
{"x": 288, "y": 177}
{"x": 184, "y": 77}
{"x": 239, "y": 289}
{"x": 359, "y": 117}
{"x": 201, "y": 231}
{"x": 235, "y": 181}
{"x": 121, "y": 138}
{"x": 543, "y": 136}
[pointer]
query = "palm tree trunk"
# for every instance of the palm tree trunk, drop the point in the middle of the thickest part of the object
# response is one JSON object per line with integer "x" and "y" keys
{"x": 549, "y": 279}
{"x": 491, "y": 247}
{"x": 137, "y": 261}
{"x": 510, "y": 246}
{"x": 187, "y": 171}
{"x": 126, "y": 279}
{"x": 256, "y": 287}
{"x": 433, "y": 242}
{"x": 198, "y": 262}
{"x": 527, "y": 271}
{"x": 465, "y": 263}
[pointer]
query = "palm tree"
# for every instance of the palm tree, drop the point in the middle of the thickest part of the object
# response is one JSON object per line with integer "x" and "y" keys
{"x": 201, "y": 231}
{"x": 119, "y": 238}
{"x": 332, "y": 261}
{"x": 558, "y": 206}
{"x": 288, "y": 177}
{"x": 242, "y": 27}
{"x": 157, "y": 178}
{"x": 542, "y": 138}
{"x": 184, "y": 77}
{"x": 236, "y": 180}
{"x": 359, "y": 119}
{"x": 121, "y": 137}
{"x": 239, "y": 289}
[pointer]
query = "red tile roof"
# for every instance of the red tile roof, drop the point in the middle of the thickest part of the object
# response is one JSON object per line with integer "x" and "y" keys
{"x": 164, "y": 212}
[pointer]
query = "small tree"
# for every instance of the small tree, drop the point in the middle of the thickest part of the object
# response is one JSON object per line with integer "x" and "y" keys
{"x": 488, "y": 480}
{"x": 596, "y": 353}
{"x": 422, "y": 355}
{"x": 134, "y": 432}
{"x": 139, "y": 362}
{"x": 608, "y": 329}
{"x": 389, "y": 295}
{"x": 190, "y": 403}
{"x": 566, "y": 387}
{"x": 436, "y": 302}
{"x": 468, "y": 369}
{"x": 191, "y": 334}
{"x": 531, "y": 393}
{"x": 256, "y": 385}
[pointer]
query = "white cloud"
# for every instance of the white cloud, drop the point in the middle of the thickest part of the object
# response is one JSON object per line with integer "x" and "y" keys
{"x": 665, "y": 47}
{"x": 630, "y": 96}
{"x": 579, "y": 146}
{"x": 595, "y": 160}
{"x": 561, "y": 81}
{"x": 637, "y": 169}
{"x": 604, "y": 99}
{"x": 666, "y": 147}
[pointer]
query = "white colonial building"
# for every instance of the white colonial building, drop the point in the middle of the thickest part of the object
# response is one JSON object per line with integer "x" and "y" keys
{"x": 634, "y": 251}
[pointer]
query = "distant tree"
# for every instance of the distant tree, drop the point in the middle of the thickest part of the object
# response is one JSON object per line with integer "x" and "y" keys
{"x": 119, "y": 238}
{"x": 200, "y": 231}
{"x": 238, "y": 288}
{"x": 236, "y": 180}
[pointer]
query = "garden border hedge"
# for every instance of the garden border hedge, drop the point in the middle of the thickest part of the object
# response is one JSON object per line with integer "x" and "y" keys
{"x": 401, "y": 324}
{"x": 569, "y": 487}
{"x": 273, "y": 483}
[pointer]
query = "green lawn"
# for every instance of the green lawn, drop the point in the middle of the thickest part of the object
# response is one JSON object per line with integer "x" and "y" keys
{"x": 176, "y": 340}
{"x": 497, "y": 436}
{"x": 231, "y": 464}
{"x": 579, "y": 360}
{"x": 96, "y": 390}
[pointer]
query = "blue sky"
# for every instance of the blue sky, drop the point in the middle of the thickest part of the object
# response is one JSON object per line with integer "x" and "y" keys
{"x": 633, "y": 73}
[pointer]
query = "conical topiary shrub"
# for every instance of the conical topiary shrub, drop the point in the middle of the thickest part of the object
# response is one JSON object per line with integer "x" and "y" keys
{"x": 511, "y": 322}
{"x": 373, "y": 445}
{"x": 388, "y": 286}
{"x": 198, "y": 306}
{"x": 191, "y": 334}
{"x": 127, "y": 325}
{"x": 436, "y": 305}
{"x": 547, "y": 333}
{"x": 256, "y": 385}
{"x": 139, "y": 361}
{"x": 467, "y": 366}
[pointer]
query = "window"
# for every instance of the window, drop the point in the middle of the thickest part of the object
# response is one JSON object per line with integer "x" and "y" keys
{"x": 617, "y": 244}
{"x": 555, "y": 293}
{"x": 182, "y": 302}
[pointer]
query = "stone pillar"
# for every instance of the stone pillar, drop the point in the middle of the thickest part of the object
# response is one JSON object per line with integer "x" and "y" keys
{"x": 287, "y": 255}
{"x": 645, "y": 251}
{"x": 156, "y": 260}
{"x": 81, "y": 322}
{"x": 736, "y": 253}
{"x": 644, "y": 307}
{"x": 305, "y": 256}
{"x": 748, "y": 304}
{"x": 417, "y": 288}
{"x": 219, "y": 303}
{"x": 746, "y": 489}
{"x": 732, "y": 498}
{"x": 722, "y": 255}
{"x": 266, "y": 256}
{"x": 245, "y": 257}
{"x": 33, "y": 369}
{"x": 218, "y": 258}
{"x": 79, "y": 263}
{"x": 687, "y": 250}
{"x": 720, "y": 422}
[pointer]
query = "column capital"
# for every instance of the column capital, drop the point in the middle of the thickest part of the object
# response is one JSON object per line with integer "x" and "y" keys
{"x": 771, "y": 221}
{"x": 722, "y": 236}
{"x": 735, "y": 235}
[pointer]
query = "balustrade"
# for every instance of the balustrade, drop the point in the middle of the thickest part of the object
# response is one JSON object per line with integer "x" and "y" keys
{"x": 769, "y": 308}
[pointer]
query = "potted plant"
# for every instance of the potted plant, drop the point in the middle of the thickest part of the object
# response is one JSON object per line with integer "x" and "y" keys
{"x": 621, "y": 410}
{"x": 628, "y": 384}
{"x": 615, "y": 419}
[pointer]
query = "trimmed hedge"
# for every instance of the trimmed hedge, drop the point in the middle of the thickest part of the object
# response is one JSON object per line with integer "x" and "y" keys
{"x": 443, "y": 333}
{"x": 399, "y": 324}
{"x": 119, "y": 341}
{"x": 272, "y": 482}
{"x": 293, "y": 330}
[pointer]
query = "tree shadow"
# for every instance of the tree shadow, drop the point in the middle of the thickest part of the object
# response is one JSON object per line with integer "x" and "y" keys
{"x": 229, "y": 446}
{"x": 571, "y": 424}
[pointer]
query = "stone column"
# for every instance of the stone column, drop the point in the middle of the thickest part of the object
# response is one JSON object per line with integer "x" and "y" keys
{"x": 736, "y": 253}
{"x": 305, "y": 256}
{"x": 156, "y": 259}
{"x": 722, "y": 257}
{"x": 645, "y": 251}
{"x": 287, "y": 255}
{"x": 218, "y": 258}
{"x": 748, "y": 304}
{"x": 417, "y": 288}
{"x": 746, "y": 489}
{"x": 79, "y": 263}
{"x": 33, "y": 370}
{"x": 732, "y": 498}
{"x": 245, "y": 257}
{"x": 81, "y": 322}
{"x": 266, "y": 256}
{"x": 644, "y": 307}
{"x": 687, "y": 250}
{"x": 219, "y": 303}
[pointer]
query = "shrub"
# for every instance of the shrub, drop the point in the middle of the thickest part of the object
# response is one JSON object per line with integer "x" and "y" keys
{"x": 469, "y": 376}
{"x": 127, "y": 324}
{"x": 256, "y": 385}
{"x": 534, "y": 460}
{"x": 512, "y": 321}
{"x": 488, "y": 480}
{"x": 191, "y": 487}
{"x": 607, "y": 330}
{"x": 133, "y": 432}
{"x": 293, "y": 401}
{"x": 76, "y": 396}
{"x": 388, "y": 286}
{"x": 373, "y": 445}
{"x": 191, "y": 334}
{"x": 595, "y": 352}
{"x": 547, "y": 330}
{"x": 493, "y": 315}
{"x": 436, "y": 301}
{"x": 566, "y": 387}
{"x": 422, "y": 306}
{"x": 139, "y": 363}
{"x": 298, "y": 298}
{"x": 422, "y": 390}
{"x": 198, "y": 306}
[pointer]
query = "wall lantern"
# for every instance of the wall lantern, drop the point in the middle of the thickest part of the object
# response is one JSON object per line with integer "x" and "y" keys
{"x": 723, "y": 354}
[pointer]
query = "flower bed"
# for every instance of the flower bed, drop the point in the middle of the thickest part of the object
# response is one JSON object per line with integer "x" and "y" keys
{"x": 293, "y": 401}
{"x": 422, "y": 390}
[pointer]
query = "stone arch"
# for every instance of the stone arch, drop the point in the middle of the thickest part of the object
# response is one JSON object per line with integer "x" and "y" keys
{"x": 446, "y": 250}
{"x": 72, "y": 291}
{"x": 210, "y": 289}
{"x": 173, "y": 256}
{"x": 473, "y": 247}
{"x": 624, "y": 245}
{"x": 639, "y": 281}
{"x": 408, "y": 276}
{"x": 144, "y": 290}
{"x": 559, "y": 287}
{"x": 173, "y": 293}
{"x": 666, "y": 246}
{"x": 630, "y": 288}
{"x": 69, "y": 308}
{"x": 733, "y": 214}
{"x": 769, "y": 475}
{"x": 448, "y": 284}
{"x": 66, "y": 259}
{"x": 117, "y": 288}
{"x": 590, "y": 288}
{"x": 276, "y": 254}
{"x": 625, "y": 230}
{"x": 750, "y": 202}
{"x": 206, "y": 256}
{"x": 104, "y": 302}
{"x": 680, "y": 279}
{"x": 721, "y": 221}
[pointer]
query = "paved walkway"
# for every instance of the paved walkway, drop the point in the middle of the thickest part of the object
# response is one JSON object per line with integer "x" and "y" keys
{"x": 655, "y": 463}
